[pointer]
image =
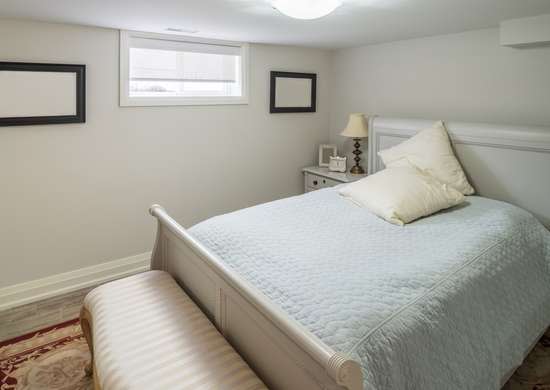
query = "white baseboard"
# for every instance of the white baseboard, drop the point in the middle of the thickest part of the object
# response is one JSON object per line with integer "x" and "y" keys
{"x": 35, "y": 290}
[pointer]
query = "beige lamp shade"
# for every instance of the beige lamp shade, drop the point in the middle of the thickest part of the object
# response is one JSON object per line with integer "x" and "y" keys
{"x": 357, "y": 127}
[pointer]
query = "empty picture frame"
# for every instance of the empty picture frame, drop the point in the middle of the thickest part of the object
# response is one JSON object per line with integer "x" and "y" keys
{"x": 292, "y": 92}
{"x": 39, "y": 94}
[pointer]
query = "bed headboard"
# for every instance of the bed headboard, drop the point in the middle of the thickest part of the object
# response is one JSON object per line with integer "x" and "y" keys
{"x": 509, "y": 163}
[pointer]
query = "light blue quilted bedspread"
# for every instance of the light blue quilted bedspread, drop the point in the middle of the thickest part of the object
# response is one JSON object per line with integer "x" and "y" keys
{"x": 452, "y": 301}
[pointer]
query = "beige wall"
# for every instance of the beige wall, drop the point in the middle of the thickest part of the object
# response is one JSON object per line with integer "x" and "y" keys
{"x": 77, "y": 195}
{"x": 464, "y": 77}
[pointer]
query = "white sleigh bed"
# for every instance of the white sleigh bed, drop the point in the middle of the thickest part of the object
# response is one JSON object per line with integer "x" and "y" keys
{"x": 506, "y": 163}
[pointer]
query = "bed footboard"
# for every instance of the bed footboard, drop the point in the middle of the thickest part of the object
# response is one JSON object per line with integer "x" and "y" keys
{"x": 283, "y": 353}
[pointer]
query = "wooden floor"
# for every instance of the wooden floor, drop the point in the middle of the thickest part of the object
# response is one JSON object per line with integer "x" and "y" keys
{"x": 34, "y": 316}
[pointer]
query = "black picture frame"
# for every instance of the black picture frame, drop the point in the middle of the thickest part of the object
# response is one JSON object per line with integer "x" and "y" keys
{"x": 79, "y": 70}
{"x": 273, "y": 89}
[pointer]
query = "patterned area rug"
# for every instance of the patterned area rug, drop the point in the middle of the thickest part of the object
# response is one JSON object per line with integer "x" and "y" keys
{"x": 55, "y": 358}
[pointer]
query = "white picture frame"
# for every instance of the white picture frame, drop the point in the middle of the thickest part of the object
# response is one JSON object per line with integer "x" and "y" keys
{"x": 325, "y": 152}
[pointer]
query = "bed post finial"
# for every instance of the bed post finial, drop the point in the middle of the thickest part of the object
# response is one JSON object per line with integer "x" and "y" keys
{"x": 346, "y": 372}
{"x": 155, "y": 207}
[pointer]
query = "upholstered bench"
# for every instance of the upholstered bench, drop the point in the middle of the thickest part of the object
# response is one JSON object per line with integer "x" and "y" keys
{"x": 144, "y": 332}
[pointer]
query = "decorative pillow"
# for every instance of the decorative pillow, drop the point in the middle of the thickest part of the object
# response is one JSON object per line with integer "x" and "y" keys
{"x": 402, "y": 194}
{"x": 431, "y": 151}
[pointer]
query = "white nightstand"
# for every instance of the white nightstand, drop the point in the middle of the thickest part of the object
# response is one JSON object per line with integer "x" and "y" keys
{"x": 317, "y": 177}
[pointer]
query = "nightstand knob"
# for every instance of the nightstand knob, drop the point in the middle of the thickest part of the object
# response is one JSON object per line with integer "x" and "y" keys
{"x": 315, "y": 182}
{"x": 324, "y": 181}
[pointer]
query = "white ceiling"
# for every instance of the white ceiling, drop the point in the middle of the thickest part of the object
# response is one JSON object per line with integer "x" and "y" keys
{"x": 356, "y": 23}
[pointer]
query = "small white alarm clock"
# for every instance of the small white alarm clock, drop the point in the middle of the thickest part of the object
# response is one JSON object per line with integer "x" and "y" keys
{"x": 337, "y": 164}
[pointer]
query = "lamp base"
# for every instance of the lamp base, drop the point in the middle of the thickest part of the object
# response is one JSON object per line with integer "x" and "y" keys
{"x": 357, "y": 170}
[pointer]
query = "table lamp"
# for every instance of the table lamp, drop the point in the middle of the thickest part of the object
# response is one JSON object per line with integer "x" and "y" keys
{"x": 356, "y": 129}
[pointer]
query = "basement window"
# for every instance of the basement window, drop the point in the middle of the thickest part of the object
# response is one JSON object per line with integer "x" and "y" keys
{"x": 170, "y": 70}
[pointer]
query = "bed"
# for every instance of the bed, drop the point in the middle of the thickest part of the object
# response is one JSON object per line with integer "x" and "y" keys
{"x": 316, "y": 293}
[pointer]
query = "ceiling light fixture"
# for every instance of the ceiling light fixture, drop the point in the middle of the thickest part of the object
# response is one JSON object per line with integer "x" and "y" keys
{"x": 306, "y": 9}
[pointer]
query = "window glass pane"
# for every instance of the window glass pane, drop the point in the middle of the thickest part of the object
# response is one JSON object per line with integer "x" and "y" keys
{"x": 157, "y": 72}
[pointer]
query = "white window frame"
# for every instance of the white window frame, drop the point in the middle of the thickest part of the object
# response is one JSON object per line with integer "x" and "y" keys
{"x": 127, "y": 100}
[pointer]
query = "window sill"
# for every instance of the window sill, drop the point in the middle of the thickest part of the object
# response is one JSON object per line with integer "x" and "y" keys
{"x": 150, "y": 102}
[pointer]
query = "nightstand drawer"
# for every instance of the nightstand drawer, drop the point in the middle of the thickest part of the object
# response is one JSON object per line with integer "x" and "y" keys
{"x": 320, "y": 177}
{"x": 329, "y": 182}
{"x": 314, "y": 182}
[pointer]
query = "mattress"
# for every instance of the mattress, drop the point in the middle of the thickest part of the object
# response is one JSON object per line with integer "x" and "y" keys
{"x": 451, "y": 301}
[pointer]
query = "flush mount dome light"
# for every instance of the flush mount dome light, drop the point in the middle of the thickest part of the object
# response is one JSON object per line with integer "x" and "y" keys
{"x": 306, "y": 9}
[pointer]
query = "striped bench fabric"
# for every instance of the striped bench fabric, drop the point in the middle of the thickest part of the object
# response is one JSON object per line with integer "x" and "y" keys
{"x": 146, "y": 333}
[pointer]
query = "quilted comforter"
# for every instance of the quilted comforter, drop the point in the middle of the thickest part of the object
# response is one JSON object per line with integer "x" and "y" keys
{"x": 451, "y": 301}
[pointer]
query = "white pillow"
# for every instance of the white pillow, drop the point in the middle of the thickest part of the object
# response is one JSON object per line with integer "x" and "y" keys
{"x": 431, "y": 151}
{"x": 402, "y": 194}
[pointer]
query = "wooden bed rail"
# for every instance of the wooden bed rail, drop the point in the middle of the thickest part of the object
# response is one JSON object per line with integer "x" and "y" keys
{"x": 178, "y": 253}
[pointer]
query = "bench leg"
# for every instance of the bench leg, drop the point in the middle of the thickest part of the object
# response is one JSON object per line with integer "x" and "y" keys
{"x": 96, "y": 382}
{"x": 85, "y": 324}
